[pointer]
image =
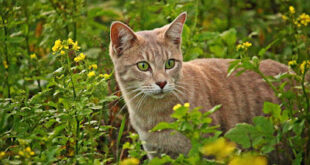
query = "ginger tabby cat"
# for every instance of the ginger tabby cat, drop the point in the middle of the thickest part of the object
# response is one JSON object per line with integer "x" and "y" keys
{"x": 152, "y": 76}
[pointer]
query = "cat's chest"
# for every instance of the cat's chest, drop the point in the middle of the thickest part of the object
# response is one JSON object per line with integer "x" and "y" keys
{"x": 148, "y": 117}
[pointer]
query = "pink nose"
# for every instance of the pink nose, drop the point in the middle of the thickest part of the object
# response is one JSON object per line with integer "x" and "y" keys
{"x": 161, "y": 84}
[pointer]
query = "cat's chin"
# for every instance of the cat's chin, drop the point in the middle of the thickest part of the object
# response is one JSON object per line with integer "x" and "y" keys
{"x": 158, "y": 96}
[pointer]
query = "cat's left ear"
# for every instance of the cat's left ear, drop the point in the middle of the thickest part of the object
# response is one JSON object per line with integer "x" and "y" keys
{"x": 174, "y": 31}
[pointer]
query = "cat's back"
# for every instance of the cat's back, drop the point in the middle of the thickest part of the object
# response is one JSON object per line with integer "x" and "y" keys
{"x": 241, "y": 97}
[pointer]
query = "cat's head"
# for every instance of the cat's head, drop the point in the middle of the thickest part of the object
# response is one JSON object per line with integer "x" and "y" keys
{"x": 149, "y": 62}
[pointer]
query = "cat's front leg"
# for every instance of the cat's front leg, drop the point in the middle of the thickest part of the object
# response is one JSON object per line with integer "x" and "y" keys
{"x": 164, "y": 142}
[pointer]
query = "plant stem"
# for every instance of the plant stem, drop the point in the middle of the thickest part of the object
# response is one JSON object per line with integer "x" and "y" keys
{"x": 77, "y": 134}
{"x": 229, "y": 14}
{"x": 70, "y": 74}
{"x": 267, "y": 81}
{"x": 6, "y": 55}
{"x": 74, "y": 23}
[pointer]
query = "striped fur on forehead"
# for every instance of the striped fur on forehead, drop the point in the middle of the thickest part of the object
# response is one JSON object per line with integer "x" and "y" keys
{"x": 156, "y": 53}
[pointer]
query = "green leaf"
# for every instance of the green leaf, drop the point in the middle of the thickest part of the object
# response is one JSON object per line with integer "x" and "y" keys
{"x": 179, "y": 113}
{"x": 263, "y": 125}
{"x": 164, "y": 125}
{"x": 212, "y": 110}
{"x": 205, "y": 36}
{"x": 242, "y": 134}
{"x": 273, "y": 109}
{"x": 229, "y": 37}
{"x": 159, "y": 161}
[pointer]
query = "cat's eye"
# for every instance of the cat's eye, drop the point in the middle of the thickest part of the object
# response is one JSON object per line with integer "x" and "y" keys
{"x": 170, "y": 64}
{"x": 143, "y": 66}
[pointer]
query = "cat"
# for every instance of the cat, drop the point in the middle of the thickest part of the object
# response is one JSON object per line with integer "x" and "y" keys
{"x": 152, "y": 76}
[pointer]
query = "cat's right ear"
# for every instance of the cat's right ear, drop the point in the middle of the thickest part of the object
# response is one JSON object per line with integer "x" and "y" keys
{"x": 122, "y": 37}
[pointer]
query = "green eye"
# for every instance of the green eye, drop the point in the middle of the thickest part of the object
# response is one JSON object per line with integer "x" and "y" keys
{"x": 143, "y": 66}
{"x": 170, "y": 64}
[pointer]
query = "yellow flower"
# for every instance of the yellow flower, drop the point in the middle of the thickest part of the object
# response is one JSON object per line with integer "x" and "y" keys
{"x": 107, "y": 76}
{"x": 32, "y": 153}
{"x": 303, "y": 19}
{"x": 79, "y": 58}
{"x": 292, "y": 63}
{"x": 21, "y": 153}
{"x": 247, "y": 44}
{"x": 75, "y": 46}
{"x": 187, "y": 105}
{"x": 130, "y": 161}
{"x": 246, "y": 158}
{"x": 82, "y": 55}
{"x": 93, "y": 66}
{"x": 292, "y": 10}
{"x": 91, "y": 74}
{"x": 221, "y": 148}
{"x": 2, "y": 154}
{"x": 28, "y": 149}
{"x": 239, "y": 46}
{"x": 5, "y": 64}
{"x": 66, "y": 47}
{"x": 70, "y": 41}
{"x": 244, "y": 46}
{"x": 33, "y": 56}
{"x": 284, "y": 18}
{"x": 62, "y": 52}
{"x": 57, "y": 46}
{"x": 304, "y": 65}
{"x": 176, "y": 107}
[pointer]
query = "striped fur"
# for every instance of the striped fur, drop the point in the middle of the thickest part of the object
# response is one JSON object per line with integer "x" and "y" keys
{"x": 201, "y": 82}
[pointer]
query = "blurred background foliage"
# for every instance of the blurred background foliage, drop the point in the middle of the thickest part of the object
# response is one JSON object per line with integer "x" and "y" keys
{"x": 34, "y": 100}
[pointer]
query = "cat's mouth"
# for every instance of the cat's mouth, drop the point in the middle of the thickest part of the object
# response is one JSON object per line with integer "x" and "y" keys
{"x": 159, "y": 95}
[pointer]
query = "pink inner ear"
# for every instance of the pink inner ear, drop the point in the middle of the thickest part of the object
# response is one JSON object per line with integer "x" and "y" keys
{"x": 174, "y": 32}
{"x": 122, "y": 37}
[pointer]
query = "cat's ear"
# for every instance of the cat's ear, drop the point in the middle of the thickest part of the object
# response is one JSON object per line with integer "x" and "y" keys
{"x": 122, "y": 37}
{"x": 174, "y": 31}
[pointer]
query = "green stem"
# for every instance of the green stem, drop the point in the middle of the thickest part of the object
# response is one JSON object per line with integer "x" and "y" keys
{"x": 229, "y": 13}
{"x": 267, "y": 81}
{"x": 6, "y": 55}
{"x": 304, "y": 90}
{"x": 70, "y": 74}
{"x": 74, "y": 23}
{"x": 77, "y": 134}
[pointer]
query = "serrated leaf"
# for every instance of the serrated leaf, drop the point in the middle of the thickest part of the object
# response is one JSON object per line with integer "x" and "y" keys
{"x": 241, "y": 134}
{"x": 273, "y": 109}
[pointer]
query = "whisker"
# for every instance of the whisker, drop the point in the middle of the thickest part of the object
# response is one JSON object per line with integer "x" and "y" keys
{"x": 177, "y": 96}
{"x": 181, "y": 92}
{"x": 139, "y": 93}
{"x": 140, "y": 102}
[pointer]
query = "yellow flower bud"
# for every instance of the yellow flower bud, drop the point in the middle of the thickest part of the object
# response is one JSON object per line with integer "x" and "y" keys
{"x": 33, "y": 56}
{"x": 176, "y": 107}
{"x": 28, "y": 149}
{"x": 21, "y": 153}
{"x": 292, "y": 10}
{"x": 93, "y": 66}
{"x": 5, "y": 64}
{"x": 91, "y": 74}
{"x": 130, "y": 161}
{"x": 107, "y": 76}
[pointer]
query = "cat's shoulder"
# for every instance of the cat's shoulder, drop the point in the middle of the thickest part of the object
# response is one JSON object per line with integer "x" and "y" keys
{"x": 209, "y": 62}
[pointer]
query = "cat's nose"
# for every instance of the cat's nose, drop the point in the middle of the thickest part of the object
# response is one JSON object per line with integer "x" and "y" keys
{"x": 161, "y": 84}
